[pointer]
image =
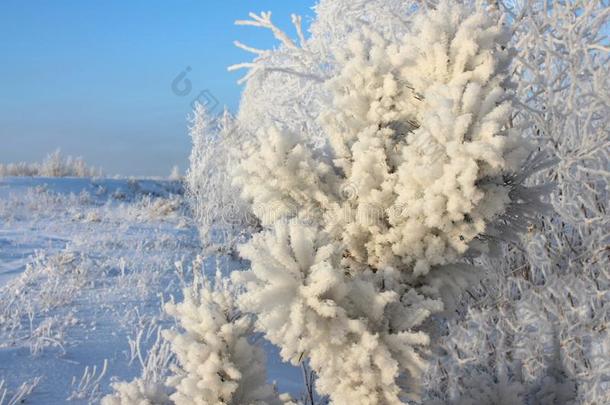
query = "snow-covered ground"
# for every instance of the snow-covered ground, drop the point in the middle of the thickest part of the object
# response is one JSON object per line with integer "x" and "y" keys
{"x": 85, "y": 265}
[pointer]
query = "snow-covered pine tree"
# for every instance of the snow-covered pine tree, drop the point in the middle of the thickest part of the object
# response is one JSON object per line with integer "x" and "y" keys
{"x": 217, "y": 363}
{"x": 422, "y": 165}
{"x": 388, "y": 148}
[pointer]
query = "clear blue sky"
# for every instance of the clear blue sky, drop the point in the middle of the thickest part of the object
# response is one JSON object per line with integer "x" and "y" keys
{"x": 94, "y": 77}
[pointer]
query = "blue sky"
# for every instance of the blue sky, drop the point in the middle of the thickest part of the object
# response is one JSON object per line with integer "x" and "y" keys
{"x": 94, "y": 77}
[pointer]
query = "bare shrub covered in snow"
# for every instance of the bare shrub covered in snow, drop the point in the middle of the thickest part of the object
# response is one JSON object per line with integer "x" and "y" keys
{"x": 175, "y": 174}
{"x": 220, "y": 214}
{"x": 54, "y": 165}
{"x": 543, "y": 321}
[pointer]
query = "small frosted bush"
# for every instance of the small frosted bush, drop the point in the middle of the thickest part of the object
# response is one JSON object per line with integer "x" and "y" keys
{"x": 54, "y": 165}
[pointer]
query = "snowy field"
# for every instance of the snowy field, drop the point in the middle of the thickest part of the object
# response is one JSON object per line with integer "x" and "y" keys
{"x": 84, "y": 268}
{"x": 411, "y": 204}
